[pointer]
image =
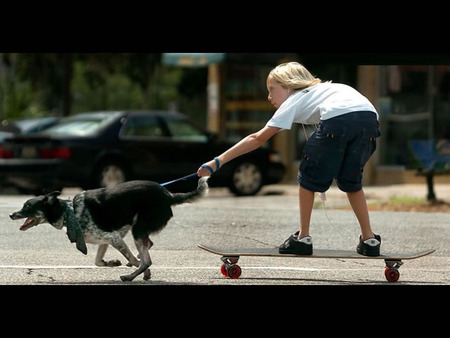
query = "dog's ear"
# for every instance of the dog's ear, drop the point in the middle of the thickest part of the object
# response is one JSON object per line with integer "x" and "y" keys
{"x": 53, "y": 194}
{"x": 74, "y": 231}
{"x": 51, "y": 197}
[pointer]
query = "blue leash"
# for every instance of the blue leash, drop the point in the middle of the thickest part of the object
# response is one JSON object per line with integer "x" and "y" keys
{"x": 211, "y": 170}
{"x": 179, "y": 179}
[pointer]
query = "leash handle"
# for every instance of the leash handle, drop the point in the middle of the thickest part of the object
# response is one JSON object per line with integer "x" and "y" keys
{"x": 179, "y": 179}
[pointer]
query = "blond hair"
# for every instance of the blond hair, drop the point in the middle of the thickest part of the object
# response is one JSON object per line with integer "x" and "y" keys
{"x": 292, "y": 75}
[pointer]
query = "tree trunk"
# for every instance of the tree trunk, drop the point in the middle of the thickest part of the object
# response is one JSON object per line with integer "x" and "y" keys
{"x": 67, "y": 95}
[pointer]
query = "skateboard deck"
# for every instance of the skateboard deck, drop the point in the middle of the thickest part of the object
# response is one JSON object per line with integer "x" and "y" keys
{"x": 230, "y": 257}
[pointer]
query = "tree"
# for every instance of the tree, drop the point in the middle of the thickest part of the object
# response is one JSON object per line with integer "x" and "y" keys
{"x": 48, "y": 79}
{"x": 49, "y": 76}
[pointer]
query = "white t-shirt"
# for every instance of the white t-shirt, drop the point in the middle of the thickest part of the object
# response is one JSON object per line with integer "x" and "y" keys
{"x": 319, "y": 102}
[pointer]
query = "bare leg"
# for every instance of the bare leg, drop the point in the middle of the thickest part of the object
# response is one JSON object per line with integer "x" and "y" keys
{"x": 358, "y": 203}
{"x": 306, "y": 203}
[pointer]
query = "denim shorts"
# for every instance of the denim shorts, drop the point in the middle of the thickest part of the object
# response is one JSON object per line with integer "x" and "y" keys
{"x": 339, "y": 149}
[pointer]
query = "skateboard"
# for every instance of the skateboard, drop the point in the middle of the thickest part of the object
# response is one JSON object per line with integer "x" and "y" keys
{"x": 231, "y": 269}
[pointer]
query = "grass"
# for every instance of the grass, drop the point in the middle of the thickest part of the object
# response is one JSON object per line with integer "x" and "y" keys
{"x": 406, "y": 200}
{"x": 402, "y": 203}
{"x": 399, "y": 201}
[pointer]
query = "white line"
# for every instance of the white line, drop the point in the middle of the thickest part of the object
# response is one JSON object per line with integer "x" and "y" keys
{"x": 36, "y": 267}
{"x": 53, "y": 267}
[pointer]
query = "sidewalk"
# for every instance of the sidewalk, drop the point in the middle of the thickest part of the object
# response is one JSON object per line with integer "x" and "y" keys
{"x": 334, "y": 196}
{"x": 373, "y": 193}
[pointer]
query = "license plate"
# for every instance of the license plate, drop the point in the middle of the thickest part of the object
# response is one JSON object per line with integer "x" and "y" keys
{"x": 29, "y": 152}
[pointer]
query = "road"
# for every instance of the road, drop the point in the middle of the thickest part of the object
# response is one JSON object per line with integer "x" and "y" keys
{"x": 44, "y": 256}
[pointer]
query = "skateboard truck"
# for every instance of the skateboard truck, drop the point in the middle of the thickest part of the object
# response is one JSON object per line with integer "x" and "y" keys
{"x": 391, "y": 271}
{"x": 230, "y": 268}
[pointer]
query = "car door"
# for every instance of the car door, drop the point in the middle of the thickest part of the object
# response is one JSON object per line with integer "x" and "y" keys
{"x": 158, "y": 153}
{"x": 192, "y": 146}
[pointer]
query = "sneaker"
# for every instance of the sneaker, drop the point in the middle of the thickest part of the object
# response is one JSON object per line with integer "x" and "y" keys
{"x": 369, "y": 247}
{"x": 293, "y": 245}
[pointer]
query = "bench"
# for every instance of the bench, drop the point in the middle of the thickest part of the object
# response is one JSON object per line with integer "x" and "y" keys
{"x": 430, "y": 158}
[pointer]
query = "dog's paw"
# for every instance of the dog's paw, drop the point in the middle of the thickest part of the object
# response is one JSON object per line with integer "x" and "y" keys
{"x": 126, "y": 278}
{"x": 147, "y": 274}
{"x": 114, "y": 262}
{"x": 111, "y": 263}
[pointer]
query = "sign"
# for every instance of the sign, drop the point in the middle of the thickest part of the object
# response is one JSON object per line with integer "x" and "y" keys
{"x": 192, "y": 59}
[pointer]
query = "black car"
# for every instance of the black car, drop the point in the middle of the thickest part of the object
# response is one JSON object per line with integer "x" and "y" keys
{"x": 25, "y": 125}
{"x": 98, "y": 149}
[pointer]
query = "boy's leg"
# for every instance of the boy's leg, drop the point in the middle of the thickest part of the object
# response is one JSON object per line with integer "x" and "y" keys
{"x": 306, "y": 203}
{"x": 301, "y": 243}
{"x": 358, "y": 203}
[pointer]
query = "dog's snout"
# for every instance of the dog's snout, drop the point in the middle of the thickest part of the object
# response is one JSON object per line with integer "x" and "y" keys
{"x": 17, "y": 215}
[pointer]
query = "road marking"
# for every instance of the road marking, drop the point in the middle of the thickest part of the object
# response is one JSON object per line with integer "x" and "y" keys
{"x": 154, "y": 267}
{"x": 54, "y": 267}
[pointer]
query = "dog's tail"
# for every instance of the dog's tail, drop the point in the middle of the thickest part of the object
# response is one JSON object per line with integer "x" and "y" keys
{"x": 201, "y": 191}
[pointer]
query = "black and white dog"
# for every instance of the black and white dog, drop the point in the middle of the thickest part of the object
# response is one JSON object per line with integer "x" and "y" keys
{"x": 104, "y": 216}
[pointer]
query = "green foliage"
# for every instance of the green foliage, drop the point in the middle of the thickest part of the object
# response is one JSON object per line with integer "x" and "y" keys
{"x": 20, "y": 100}
{"x": 33, "y": 84}
{"x": 115, "y": 92}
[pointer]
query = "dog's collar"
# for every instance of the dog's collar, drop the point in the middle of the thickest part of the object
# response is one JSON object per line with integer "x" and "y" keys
{"x": 73, "y": 228}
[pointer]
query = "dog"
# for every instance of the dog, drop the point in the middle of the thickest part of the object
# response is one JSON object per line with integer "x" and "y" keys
{"x": 104, "y": 216}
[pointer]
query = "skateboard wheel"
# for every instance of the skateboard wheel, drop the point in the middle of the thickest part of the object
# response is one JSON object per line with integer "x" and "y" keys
{"x": 234, "y": 271}
{"x": 392, "y": 275}
{"x": 223, "y": 269}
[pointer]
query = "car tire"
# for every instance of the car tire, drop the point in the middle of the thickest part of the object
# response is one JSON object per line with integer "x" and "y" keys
{"x": 109, "y": 174}
{"x": 246, "y": 180}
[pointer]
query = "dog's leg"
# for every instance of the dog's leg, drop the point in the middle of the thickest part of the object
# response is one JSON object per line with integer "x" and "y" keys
{"x": 119, "y": 244}
{"x": 143, "y": 245}
{"x": 100, "y": 254}
{"x": 99, "y": 261}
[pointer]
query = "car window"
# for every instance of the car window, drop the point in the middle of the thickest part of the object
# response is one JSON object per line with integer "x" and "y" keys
{"x": 183, "y": 131}
{"x": 4, "y": 134}
{"x": 35, "y": 125}
{"x": 79, "y": 125}
{"x": 75, "y": 127}
{"x": 142, "y": 126}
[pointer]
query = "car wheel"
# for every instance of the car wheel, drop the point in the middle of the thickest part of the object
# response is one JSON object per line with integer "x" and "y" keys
{"x": 109, "y": 175}
{"x": 247, "y": 179}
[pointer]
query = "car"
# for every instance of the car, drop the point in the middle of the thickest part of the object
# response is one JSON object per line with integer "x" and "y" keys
{"x": 103, "y": 148}
{"x": 30, "y": 125}
{"x": 25, "y": 126}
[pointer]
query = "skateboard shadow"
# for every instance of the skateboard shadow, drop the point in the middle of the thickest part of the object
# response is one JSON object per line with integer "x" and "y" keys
{"x": 324, "y": 281}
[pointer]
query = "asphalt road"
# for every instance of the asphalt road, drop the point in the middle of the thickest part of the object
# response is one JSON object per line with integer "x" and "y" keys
{"x": 44, "y": 256}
